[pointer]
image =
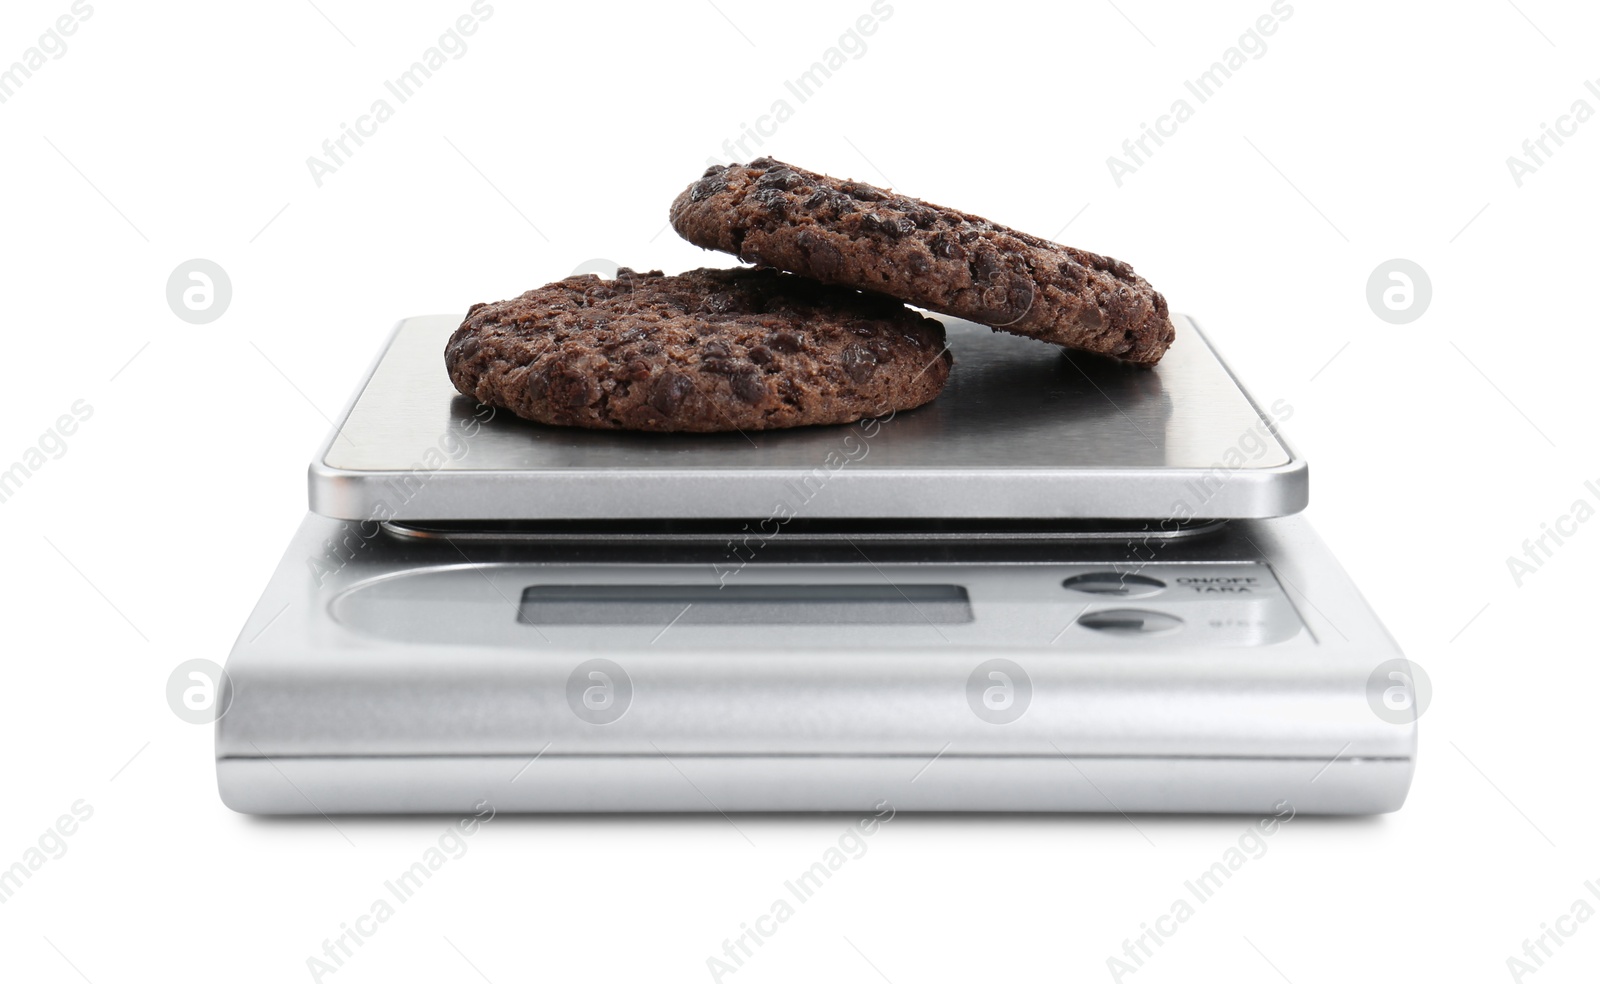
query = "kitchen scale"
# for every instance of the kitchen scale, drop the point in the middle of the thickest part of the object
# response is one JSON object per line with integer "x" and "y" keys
{"x": 1066, "y": 585}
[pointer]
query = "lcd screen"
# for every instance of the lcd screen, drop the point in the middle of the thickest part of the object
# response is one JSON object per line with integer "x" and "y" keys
{"x": 744, "y": 604}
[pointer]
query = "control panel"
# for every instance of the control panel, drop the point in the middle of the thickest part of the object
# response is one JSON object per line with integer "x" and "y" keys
{"x": 666, "y": 607}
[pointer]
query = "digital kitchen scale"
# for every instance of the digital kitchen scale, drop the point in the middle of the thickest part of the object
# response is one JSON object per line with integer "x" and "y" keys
{"x": 1066, "y": 585}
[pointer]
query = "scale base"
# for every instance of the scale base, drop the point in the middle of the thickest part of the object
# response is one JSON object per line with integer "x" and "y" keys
{"x": 1230, "y": 671}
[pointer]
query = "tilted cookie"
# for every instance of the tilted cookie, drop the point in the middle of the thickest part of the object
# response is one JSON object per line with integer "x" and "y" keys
{"x": 857, "y": 235}
{"x": 707, "y": 350}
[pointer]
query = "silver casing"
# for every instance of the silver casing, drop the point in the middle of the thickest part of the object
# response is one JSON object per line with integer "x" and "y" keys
{"x": 390, "y": 668}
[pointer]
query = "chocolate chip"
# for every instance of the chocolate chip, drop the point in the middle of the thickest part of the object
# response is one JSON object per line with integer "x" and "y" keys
{"x": 1124, "y": 306}
{"x": 1033, "y": 241}
{"x": 787, "y": 341}
{"x": 773, "y": 200}
{"x": 986, "y": 265}
{"x": 863, "y": 192}
{"x": 1116, "y": 267}
{"x": 780, "y": 178}
{"x": 858, "y": 362}
{"x": 668, "y": 391}
{"x": 750, "y": 385}
{"x": 708, "y": 185}
{"x": 573, "y": 389}
{"x": 538, "y": 385}
{"x": 889, "y": 226}
{"x": 824, "y": 258}
{"x": 944, "y": 246}
{"x": 760, "y": 355}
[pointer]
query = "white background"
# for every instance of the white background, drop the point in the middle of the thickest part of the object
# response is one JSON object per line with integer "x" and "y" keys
{"x": 1366, "y": 131}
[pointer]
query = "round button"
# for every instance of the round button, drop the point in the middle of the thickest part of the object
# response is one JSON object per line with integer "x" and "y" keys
{"x": 1130, "y": 621}
{"x": 1114, "y": 583}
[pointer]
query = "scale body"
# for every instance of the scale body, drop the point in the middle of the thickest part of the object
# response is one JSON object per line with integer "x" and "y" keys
{"x": 1066, "y": 585}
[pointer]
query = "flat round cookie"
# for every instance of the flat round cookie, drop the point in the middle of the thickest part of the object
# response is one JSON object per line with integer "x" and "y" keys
{"x": 707, "y": 350}
{"x": 856, "y": 235}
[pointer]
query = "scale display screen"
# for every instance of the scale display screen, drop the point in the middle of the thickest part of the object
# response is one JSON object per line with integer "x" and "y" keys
{"x": 744, "y": 604}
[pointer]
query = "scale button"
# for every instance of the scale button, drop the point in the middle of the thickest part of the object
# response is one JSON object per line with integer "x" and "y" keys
{"x": 1130, "y": 621}
{"x": 1113, "y": 583}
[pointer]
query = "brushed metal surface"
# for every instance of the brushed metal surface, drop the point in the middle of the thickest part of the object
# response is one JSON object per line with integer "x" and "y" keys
{"x": 1023, "y": 430}
{"x": 1046, "y": 783}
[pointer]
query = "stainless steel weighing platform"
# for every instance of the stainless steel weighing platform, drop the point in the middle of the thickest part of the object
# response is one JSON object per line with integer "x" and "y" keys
{"x": 1066, "y": 585}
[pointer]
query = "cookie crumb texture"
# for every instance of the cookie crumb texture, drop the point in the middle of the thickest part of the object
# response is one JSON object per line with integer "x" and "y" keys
{"x": 707, "y": 350}
{"x": 857, "y": 235}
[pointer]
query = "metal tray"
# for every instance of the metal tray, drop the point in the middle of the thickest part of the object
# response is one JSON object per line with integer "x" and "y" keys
{"x": 1024, "y": 430}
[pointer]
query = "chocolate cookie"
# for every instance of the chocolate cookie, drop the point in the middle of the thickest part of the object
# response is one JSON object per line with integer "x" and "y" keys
{"x": 707, "y": 350}
{"x": 849, "y": 233}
